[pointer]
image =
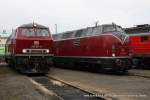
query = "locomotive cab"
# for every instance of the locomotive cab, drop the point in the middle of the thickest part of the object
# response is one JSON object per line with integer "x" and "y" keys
{"x": 31, "y": 49}
{"x": 119, "y": 43}
{"x": 116, "y": 47}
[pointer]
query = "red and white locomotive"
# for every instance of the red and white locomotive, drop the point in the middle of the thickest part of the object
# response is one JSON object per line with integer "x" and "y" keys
{"x": 104, "y": 47}
{"x": 30, "y": 48}
{"x": 140, "y": 45}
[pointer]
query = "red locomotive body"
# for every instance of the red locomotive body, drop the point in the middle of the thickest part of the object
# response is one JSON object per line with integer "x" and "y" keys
{"x": 140, "y": 41}
{"x": 30, "y": 49}
{"x": 104, "y": 46}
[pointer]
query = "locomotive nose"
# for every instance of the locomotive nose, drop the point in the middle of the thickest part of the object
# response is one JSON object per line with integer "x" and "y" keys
{"x": 119, "y": 50}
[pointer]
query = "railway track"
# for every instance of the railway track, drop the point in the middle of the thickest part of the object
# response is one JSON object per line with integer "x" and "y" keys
{"x": 66, "y": 91}
{"x": 63, "y": 90}
{"x": 138, "y": 75}
{"x": 141, "y": 74}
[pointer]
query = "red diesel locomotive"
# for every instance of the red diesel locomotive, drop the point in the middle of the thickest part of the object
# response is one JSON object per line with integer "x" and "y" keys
{"x": 30, "y": 49}
{"x": 105, "y": 47}
{"x": 140, "y": 45}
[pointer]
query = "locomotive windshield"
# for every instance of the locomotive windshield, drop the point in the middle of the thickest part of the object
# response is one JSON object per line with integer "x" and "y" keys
{"x": 34, "y": 32}
{"x": 115, "y": 30}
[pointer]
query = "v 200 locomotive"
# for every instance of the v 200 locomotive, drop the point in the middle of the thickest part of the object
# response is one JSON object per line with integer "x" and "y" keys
{"x": 105, "y": 47}
{"x": 30, "y": 49}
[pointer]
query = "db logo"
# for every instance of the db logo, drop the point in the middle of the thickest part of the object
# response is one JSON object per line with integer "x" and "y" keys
{"x": 36, "y": 43}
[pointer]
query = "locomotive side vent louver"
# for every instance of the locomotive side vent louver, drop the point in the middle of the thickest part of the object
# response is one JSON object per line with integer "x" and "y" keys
{"x": 76, "y": 42}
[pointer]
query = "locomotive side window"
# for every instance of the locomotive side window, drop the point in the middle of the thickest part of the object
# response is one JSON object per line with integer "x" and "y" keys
{"x": 67, "y": 35}
{"x": 78, "y": 33}
{"x": 89, "y": 31}
{"x": 109, "y": 28}
{"x": 55, "y": 37}
{"x": 144, "y": 38}
{"x": 84, "y": 32}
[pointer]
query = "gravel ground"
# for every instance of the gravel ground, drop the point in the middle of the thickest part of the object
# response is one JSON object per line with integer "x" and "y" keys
{"x": 14, "y": 86}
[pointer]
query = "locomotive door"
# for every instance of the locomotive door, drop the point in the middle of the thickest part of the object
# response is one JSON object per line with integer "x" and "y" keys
{"x": 57, "y": 44}
{"x": 86, "y": 49}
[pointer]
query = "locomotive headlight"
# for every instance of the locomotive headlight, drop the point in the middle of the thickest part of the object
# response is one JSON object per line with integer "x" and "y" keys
{"x": 113, "y": 55}
{"x": 24, "y": 50}
{"x": 47, "y": 51}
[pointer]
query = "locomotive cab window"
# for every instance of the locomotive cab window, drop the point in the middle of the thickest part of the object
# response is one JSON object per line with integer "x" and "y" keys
{"x": 115, "y": 30}
{"x": 27, "y": 32}
{"x": 34, "y": 32}
{"x": 97, "y": 30}
{"x": 144, "y": 38}
{"x": 42, "y": 32}
{"x": 120, "y": 33}
{"x": 109, "y": 28}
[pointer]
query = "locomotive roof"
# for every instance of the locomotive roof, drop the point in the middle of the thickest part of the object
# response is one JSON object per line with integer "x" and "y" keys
{"x": 31, "y": 25}
{"x": 88, "y": 28}
{"x": 81, "y": 32}
{"x": 138, "y": 29}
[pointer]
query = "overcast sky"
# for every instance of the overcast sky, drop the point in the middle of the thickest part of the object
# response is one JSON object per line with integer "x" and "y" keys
{"x": 73, "y": 14}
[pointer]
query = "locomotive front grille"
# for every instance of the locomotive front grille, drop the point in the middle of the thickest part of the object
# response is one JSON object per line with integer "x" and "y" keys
{"x": 35, "y": 51}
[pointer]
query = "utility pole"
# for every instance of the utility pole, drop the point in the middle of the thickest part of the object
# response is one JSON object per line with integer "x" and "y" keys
{"x": 96, "y": 23}
{"x": 56, "y": 28}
